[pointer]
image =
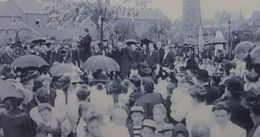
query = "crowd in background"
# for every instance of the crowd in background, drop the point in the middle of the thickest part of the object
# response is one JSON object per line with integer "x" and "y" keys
{"x": 159, "y": 91}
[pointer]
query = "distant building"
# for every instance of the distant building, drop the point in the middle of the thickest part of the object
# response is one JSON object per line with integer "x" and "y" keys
{"x": 191, "y": 16}
{"x": 24, "y": 16}
{"x": 256, "y": 18}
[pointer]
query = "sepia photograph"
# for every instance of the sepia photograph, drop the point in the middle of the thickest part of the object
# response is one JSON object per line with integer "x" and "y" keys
{"x": 129, "y": 68}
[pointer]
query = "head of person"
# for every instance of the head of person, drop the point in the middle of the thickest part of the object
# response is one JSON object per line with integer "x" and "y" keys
{"x": 42, "y": 95}
{"x": 105, "y": 43}
{"x": 159, "y": 44}
{"x": 159, "y": 113}
{"x": 83, "y": 94}
{"x": 45, "y": 111}
{"x": 148, "y": 128}
{"x": 251, "y": 100}
{"x": 93, "y": 126}
{"x": 147, "y": 85}
{"x": 119, "y": 116}
{"x": 137, "y": 114}
{"x": 133, "y": 47}
{"x": 202, "y": 76}
{"x": 200, "y": 130}
{"x": 144, "y": 46}
{"x": 46, "y": 81}
{"x": 86, "y": 30}
{"x": 110, "y": 46}
{"x": 96, "y": 47}
{"x": 222, "y": 113}
{"x": 234, "y": 87}
{"x": 151, "y": 46}
{"x": 198, "y": 94}
{"x": 180, "y": 130}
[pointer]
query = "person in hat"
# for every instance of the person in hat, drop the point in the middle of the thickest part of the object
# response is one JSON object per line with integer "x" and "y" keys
{"x": 224, "y": 127}
{"x": 152, "y": 57}
{"x": 160, "y": 51}
{"x": 137, "y": 117}
{"x": 148, "y": 129}
{"x": 134, "y": 89}
{"x": 166, "y": 130}
{"x": 169, "y": 57}
{"x": 127, "y": 60}
{"x": 149, "y": 97}
{"x": 199, "y": 94}
{"x": 85, "y": 46}
{"x": 232, "y": 97}
{"x": 251, "y": 100}
{"x": 15, "y": 122}
{"x": 49, "y": 125}
{"x": 203, "y": 79}
{"x": 160, "y": 115}
{"x": 144, "y": 70}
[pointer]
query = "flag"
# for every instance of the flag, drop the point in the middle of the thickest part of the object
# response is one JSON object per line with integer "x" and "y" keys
{"x": 99, "y": 21}
{"x": 201, "y": 42}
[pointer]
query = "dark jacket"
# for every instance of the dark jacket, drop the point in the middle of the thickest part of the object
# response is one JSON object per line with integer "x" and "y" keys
{"x": 152, "y": 59}
{"x": 169, "y": 60}
{"x": 85, "y": 47}
{"x": 127, "y": 60}
{"x": 161, "y": 53}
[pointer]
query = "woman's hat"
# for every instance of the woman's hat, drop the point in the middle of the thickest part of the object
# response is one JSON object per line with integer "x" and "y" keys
{"x": 137, "y": 109}
{"x": 235, "y": 84}
{"x": 202, "y": 75}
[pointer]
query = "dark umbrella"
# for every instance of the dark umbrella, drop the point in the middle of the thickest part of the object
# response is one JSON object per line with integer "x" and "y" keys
{"x": 104, "y": 63}
{"x": 131, "y": 41}
{"x": 38, "y": 40}
{"x": 7, "y": 89}
{"x": 62, "y": 69}
{"x": 29, "y": 61}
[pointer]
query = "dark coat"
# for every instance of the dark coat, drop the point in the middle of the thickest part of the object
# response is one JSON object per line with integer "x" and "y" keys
{"x": 147, "y": 101}
{"x": 127, "y": 60}
{"x": 152, "y": 59}
{"x": 16, "y": 123}
{"x": 240, "y": 115}
{"x": 169, "y": 60}
{"x": 74, "y": 56}
{"x": 161, "y": 53}
{"x": 85, "y": 47}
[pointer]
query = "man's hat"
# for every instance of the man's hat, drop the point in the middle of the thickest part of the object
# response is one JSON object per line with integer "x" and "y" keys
{"x": 164, "y": 128}
{"x": 144, "y": 68}
{"x": 203, "y": 75}
{"x": 235, "y": 84}
{"x": 137, "y": 109}
{"x": 150, "y": 124}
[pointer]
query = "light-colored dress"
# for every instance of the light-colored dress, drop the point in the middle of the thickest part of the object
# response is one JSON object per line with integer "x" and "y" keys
{"x": 231, "y": 130}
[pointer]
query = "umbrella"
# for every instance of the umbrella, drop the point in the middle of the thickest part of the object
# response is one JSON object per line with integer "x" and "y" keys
{"x": 62, "y": 69}
{"x": 219, "y": 39}
{"x": 101, "y": 62}
{"x": 38, "y": 40}
{"x": 255, "y": 55}
{"x": 7, "y": 89}
{"x": 131, "y": 41}
{"x": 29, "y": 61}
{"x": 243, "y": 48}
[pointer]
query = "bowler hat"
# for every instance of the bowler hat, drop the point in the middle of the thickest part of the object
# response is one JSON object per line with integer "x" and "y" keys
{"x": 203, "y": 75}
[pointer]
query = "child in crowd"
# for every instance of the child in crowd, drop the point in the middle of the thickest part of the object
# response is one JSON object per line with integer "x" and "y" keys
{"x": 224, "y": 127}
{"x": 148, "y": 129}
{"x": 137, "y": 117}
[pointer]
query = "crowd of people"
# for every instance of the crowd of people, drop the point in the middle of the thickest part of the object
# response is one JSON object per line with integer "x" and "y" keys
{"x": 159, "y": 91}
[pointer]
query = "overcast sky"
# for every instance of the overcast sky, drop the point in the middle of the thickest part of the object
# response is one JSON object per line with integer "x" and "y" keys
{"x": 173, "y": 8}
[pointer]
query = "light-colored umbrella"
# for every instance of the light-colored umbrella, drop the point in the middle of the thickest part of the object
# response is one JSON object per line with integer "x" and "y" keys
{"x": 243, "y": 48}
{"x": 29, "y": 61}
{"x": 100, "y": 62}
{"x": 7, "y": 89}
{"x": 63, "y": 69}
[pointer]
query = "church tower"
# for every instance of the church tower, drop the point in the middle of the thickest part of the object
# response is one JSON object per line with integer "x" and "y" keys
{"x": 191, "y": 16}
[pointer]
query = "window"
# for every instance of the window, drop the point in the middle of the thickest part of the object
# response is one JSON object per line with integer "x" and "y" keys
{"x": 37, "y": 23}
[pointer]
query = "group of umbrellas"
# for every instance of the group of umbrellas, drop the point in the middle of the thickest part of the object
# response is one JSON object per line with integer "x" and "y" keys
{"x": 93, "y": 64}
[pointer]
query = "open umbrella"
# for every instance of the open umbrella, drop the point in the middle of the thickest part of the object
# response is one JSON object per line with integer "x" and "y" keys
{"x": 62, "y": 69}
{"x": 7, "y": 89}
{"x": 39, "y": 40}
{"x": 219, "y": 39}
{"x": 29, "y": 61}
{"x": 131, "y": 41}
{"x": 100, "y": 62}
{"x": 243, "y": 48}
